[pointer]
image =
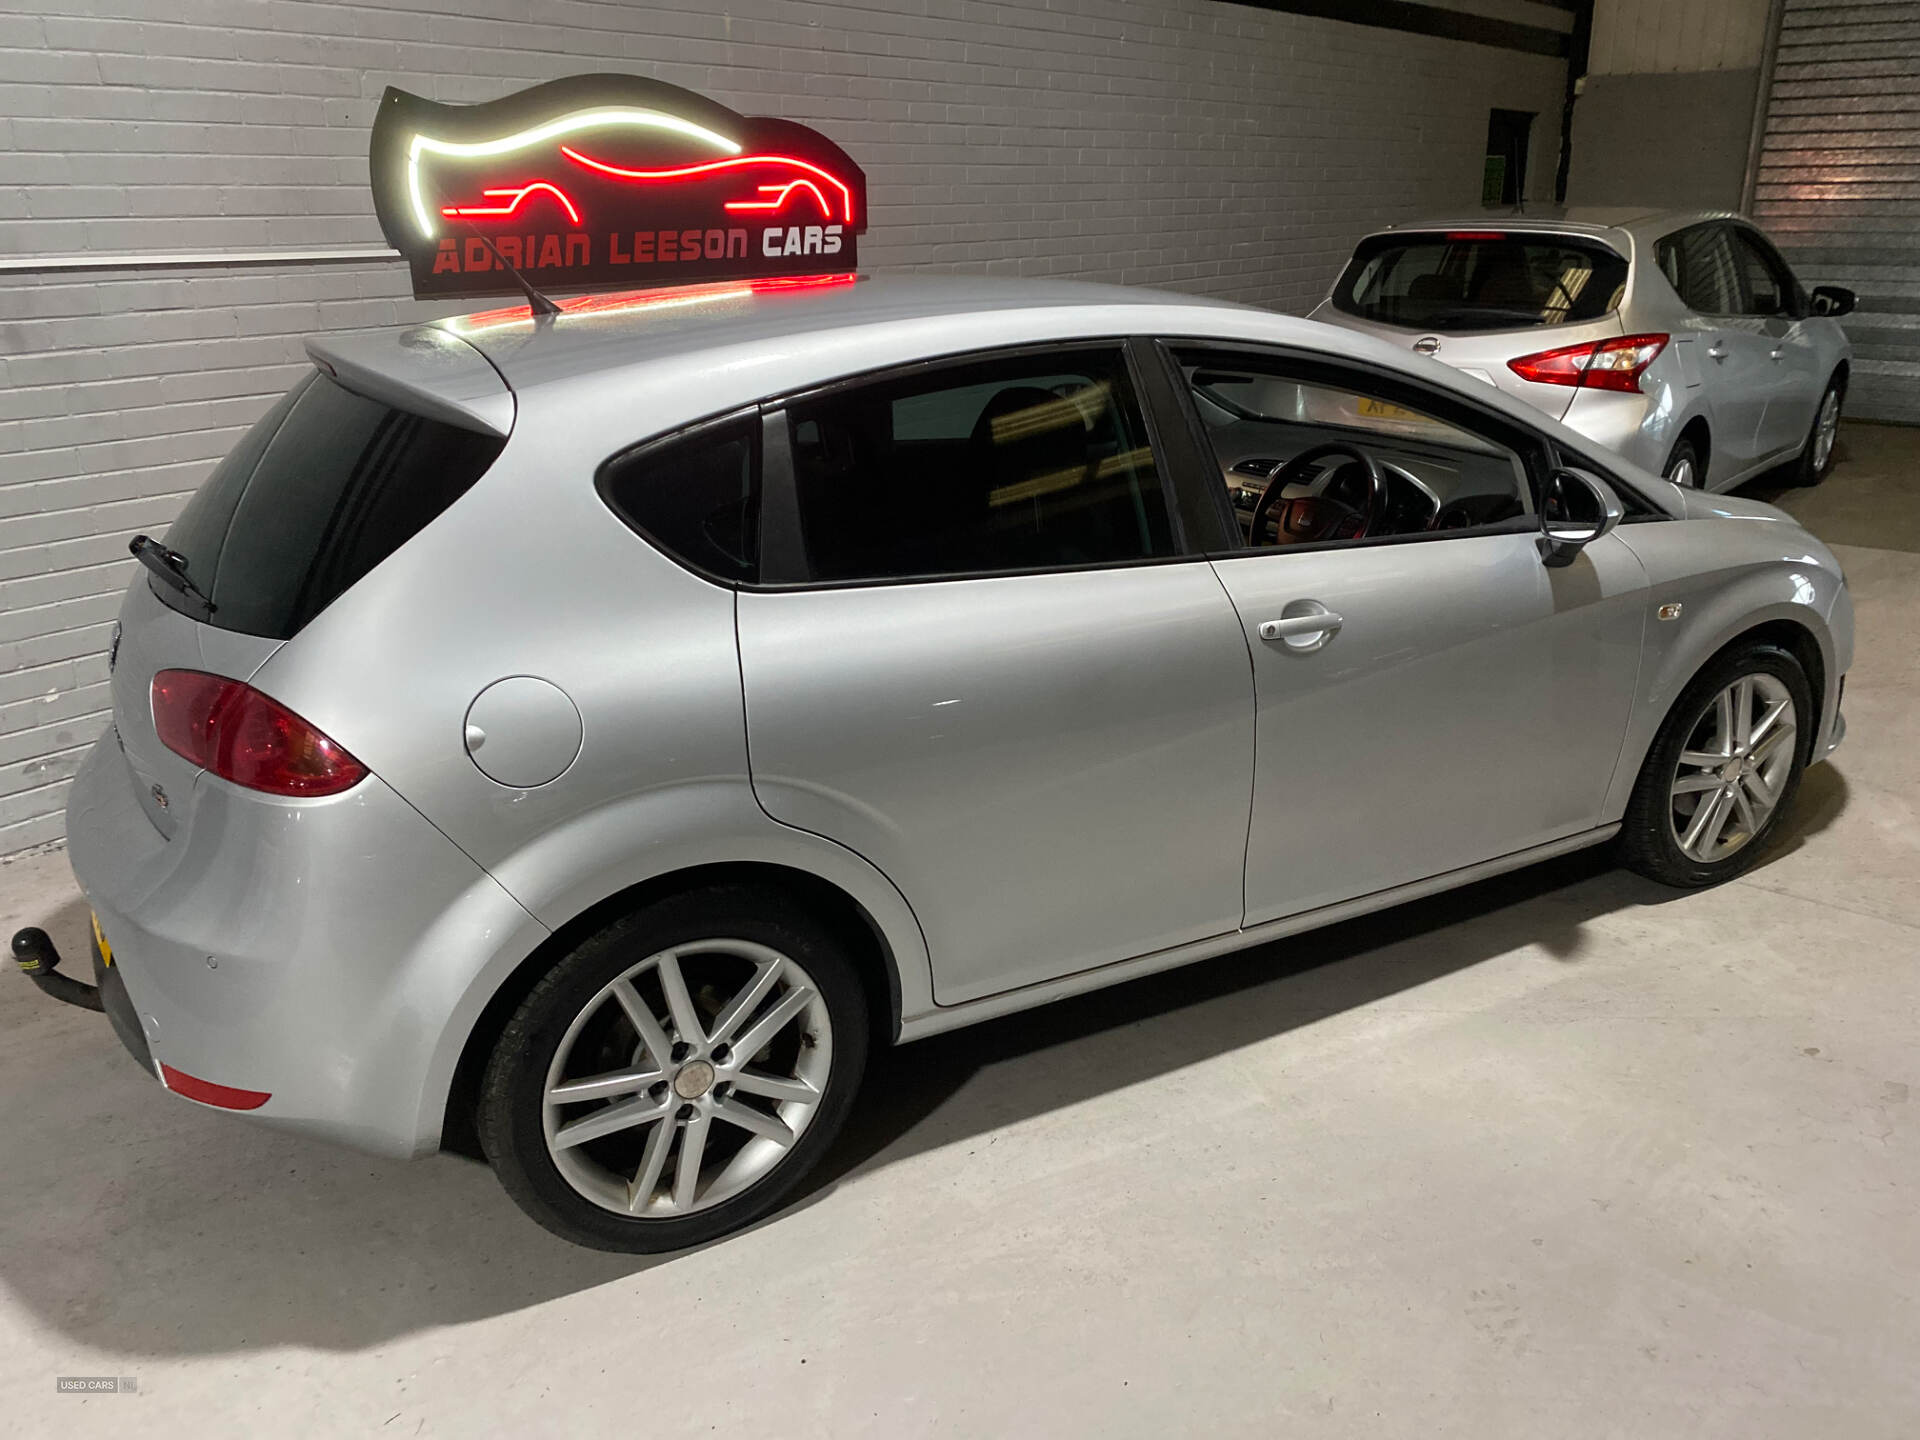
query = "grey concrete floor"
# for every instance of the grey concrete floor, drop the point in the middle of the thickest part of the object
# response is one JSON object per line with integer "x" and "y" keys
{"x": 1563, "y": 1154}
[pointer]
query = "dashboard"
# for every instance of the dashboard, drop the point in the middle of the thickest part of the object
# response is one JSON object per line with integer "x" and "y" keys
{"x": 1428, "y": 487}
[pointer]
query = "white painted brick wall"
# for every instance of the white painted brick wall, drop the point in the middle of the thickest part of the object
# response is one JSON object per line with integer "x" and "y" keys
{"x": 1192, "y": 144}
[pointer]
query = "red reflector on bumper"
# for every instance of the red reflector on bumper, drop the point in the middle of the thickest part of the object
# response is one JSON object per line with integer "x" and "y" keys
{"x": 208, "y": 1093}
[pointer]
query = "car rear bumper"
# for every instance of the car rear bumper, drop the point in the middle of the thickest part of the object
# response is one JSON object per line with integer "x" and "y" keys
{"x": 320, "y": 952}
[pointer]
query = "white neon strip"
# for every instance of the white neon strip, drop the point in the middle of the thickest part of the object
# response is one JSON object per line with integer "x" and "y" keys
{"x": 565, "y": 125}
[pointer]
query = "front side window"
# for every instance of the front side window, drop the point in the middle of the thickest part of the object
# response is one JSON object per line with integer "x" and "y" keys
{"x": 1308, "y": 460}
{"x": 1029, "y": 462}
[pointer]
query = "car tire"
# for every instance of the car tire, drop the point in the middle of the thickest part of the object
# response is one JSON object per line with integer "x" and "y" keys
{"x": 1675, "y": 786}
{"x": 1683, "y": 465}
{"x": 1815, "y": 461}
{"x": 578, "y": 1028}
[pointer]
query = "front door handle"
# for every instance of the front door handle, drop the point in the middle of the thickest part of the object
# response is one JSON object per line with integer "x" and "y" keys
{"x": 1306, "y": 630}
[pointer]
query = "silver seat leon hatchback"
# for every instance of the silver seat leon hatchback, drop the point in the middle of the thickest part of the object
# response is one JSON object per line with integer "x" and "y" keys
{"x": 590, "y": 735}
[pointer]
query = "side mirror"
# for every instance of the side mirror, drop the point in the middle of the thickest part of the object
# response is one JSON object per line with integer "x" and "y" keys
{"x": 1832, "y": 300}
{"x": 1580, "y": 508}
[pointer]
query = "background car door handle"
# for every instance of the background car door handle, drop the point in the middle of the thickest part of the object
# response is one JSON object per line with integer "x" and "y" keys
{"x": 1306, "y": 631}
{"x": 1778, "y": 352}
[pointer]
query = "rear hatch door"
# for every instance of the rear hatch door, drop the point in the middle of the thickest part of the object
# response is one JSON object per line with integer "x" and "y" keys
{"x": 1478, "y": 299}
{"x": 363, "y": 452}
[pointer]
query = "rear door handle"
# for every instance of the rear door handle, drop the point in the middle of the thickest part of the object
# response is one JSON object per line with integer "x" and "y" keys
{"x": 1717, "y": 350}
{"x": 1306, "y": 631}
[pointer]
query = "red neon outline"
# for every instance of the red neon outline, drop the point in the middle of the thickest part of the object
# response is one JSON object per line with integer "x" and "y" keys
{"x": 780, "y": 200}
{"x": 514, "y": 204}
{"x": 682, "y": 172}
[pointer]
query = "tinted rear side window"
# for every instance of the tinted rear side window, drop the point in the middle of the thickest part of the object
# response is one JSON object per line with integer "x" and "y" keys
{"x": 1701, "y": 266}
{"x": 323, "y": 489}
{"x": 1480, "y": 281}
{"x": 1031, "y": 462}
{"x": 696, "y": 497}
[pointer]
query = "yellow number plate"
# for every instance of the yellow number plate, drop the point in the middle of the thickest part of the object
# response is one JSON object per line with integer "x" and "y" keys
{"x": 1372, "y": 409}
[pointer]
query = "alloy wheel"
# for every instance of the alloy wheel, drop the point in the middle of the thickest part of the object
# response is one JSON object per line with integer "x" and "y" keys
{"x": 1825, "y": 429}
{"x": 1733, "y": 768}
{"x": 687, "y": 1078}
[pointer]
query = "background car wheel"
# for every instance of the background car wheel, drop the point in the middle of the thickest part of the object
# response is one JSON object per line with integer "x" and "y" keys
{"x": 678, "y": 1074}
{"x": 1722, "y": 771}
{"x": 1816, "y": 456}
{"x": 1683, "y": 465}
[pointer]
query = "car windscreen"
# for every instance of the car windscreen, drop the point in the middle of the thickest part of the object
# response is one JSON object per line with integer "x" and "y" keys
{"x": 1480, "y": 280}
{"x": 326, "y": 486}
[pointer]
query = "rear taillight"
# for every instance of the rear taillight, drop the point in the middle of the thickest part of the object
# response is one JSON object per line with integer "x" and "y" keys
{"x": 241, "y": 735}
{"x": 1615, "y": 364}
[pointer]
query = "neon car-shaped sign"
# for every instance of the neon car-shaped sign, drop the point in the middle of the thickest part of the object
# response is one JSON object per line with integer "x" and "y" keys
{"x": 608, "y": 178}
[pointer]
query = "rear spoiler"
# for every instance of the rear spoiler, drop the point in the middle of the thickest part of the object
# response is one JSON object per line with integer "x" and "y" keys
{"x": 426, "y": 370}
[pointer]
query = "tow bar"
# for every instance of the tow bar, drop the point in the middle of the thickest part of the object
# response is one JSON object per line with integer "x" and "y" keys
{"x": 39, "y": 961}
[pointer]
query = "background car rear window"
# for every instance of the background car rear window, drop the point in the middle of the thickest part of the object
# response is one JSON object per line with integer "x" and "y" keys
{"x": 696, "y": 497}
{"x": 319, "y": 492}
{"x": 1480, "y": 281}
{"x": 1017, "y": 463}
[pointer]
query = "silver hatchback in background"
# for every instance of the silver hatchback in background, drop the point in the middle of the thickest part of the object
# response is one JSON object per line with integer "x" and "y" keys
{"x": 1681, "y": 341}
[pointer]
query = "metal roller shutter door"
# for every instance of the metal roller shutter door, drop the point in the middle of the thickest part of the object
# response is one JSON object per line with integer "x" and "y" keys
{"x": 1838, "y": 183}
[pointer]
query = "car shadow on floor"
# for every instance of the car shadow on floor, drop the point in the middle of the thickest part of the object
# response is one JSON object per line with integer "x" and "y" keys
{"x": 136, "y": 1225}
{"x": 956, "y": 1086}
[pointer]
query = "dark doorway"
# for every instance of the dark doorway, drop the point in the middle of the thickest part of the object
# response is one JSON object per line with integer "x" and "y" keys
{"x": 1504, "y": 182}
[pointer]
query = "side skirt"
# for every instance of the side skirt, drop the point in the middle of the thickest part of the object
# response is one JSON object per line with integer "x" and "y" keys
{"x": 952, "y": 1017}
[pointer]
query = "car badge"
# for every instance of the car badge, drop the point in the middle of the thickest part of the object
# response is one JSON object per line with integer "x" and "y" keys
{"x": 113, "y": 648}
{"x": 159, "y": 797}
{"x": 1426, "y": 345}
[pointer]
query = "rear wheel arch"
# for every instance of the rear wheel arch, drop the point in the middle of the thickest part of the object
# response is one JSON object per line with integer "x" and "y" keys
{"x": 1699, "y": 434}
{"x": 826, "y": 902}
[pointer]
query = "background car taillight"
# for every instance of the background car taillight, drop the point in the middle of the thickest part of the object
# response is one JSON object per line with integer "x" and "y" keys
{"x": 241, "y": 735}
{"x": 1615, "y": 364}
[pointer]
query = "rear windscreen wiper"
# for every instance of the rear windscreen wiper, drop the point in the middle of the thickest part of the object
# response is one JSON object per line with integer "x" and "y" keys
{"x": 170, "y": 566}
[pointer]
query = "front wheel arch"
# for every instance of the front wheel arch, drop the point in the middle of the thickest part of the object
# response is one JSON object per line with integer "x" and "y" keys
{"x": 1791, "y": 635}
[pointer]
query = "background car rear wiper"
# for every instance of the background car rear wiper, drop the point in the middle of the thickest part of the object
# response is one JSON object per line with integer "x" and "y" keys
{"x": 170, "y": 566}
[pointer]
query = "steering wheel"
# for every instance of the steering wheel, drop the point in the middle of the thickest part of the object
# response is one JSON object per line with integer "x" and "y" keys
{"x": 1307, "y": 518}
